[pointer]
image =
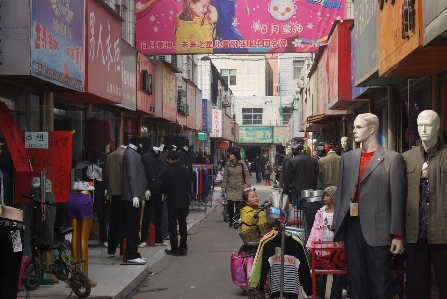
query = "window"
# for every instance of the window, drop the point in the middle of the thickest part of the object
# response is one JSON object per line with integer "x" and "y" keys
{"x": 297, "y": 66}
{"x": 128, "y": 26}
{"x": 174, "y": 60}
{"x": 285, "y": 118}
{"x": 229, "y": 76}
{"x": 252, "y": 116}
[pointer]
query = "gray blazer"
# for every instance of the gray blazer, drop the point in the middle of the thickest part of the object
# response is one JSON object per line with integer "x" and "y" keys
{"x": 114, "y": 171}
{"x": 381, "y": 198}
{"x": 134, "y": 179}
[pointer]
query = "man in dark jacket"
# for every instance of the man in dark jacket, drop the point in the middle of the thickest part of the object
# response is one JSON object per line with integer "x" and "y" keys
{"x": 177, "y": 185}
{"x": 258, "y": 169}
{"x": 155, "y": 164}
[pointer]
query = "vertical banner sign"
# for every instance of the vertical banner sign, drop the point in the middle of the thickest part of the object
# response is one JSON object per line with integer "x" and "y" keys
{"x": 58, "y": 43}
{"x": 205, "y": 115}
{"x": 15, "y": 143}
{"x": 227, "y": 27}
{"x": 55, "y": 160}
{"x": 217, "y": 123}
{"x": 104, "y": 52}
{"x": 129, "y": 77}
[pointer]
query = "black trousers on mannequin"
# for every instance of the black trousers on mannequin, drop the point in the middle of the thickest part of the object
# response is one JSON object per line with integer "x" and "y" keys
{"x": 132, "y": 229}
{"x": 116, "y": 225}
{"x": 156, "y": 205}
{"x": 10, "y": 262}
{"x": 368, "y": 267}
{"x": 102, "y": 206}
{"x": 420, "y": 256}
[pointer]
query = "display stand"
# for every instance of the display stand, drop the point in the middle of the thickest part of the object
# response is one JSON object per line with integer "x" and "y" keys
{"x": 334, "y": 265}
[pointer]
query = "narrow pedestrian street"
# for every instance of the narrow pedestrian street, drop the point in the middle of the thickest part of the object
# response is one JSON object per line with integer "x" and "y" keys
{"x": 205, "y": 271}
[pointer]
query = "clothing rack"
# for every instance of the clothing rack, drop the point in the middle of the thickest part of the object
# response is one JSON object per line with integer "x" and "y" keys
{"x": 198, "y": 194}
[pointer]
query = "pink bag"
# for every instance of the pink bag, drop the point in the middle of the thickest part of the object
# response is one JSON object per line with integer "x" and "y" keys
{"x": 26, "y": 260}
{"x": 238, "y": 271}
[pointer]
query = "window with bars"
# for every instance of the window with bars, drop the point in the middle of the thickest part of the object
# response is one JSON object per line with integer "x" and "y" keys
{"x": 297, "y": 66}
{"x": 229, "y": 76}
{"x": 252, "y": 116}
{"x": 174, "y": 60}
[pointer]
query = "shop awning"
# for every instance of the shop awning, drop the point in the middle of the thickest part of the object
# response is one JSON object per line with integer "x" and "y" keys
{"x": 15, "y": 143}
{"x": 315, "y": 123}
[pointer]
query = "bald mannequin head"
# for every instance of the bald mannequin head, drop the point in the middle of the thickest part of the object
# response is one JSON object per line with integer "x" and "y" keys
{"x": 365, "y": 130}
{"x": 344, "y": 142}
{"x": 428, "y": 127}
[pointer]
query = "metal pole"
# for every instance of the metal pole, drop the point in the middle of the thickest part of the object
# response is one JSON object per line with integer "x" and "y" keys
{"x": 283, "y": 242}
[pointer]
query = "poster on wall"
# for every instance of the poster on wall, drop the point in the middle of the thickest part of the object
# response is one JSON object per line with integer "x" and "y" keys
{"x": 57, "y": 42}
{"x": 239, "y": 26}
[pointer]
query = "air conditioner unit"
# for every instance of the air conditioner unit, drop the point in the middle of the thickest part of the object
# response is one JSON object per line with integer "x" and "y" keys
{"x": 147, "y": 82}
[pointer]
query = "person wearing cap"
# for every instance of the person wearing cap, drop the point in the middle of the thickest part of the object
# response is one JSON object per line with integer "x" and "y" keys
{"x": 321, "y": 231}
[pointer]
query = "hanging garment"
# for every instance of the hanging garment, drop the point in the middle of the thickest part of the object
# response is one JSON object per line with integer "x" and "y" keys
{"x": 296, "y": 265}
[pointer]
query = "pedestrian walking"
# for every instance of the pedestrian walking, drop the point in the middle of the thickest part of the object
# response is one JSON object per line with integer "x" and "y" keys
{"x": 236, "y": 179}
{"x": 267, "y": 173}
{"x": 177, "y": 185}
{"x": 258, "y": 168}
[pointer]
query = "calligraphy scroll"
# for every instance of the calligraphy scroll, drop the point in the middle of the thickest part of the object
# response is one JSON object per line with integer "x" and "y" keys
{"x": 14, "y": 140}
{"x": 56, "y": 160}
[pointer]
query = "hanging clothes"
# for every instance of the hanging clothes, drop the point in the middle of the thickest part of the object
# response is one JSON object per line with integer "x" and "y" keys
{"x": 205, "y": 183}
{"x": 296, "y": 265}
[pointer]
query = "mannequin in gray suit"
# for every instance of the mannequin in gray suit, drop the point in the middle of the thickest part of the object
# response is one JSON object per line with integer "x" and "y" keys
{"x": 134, "y": 191}
{"x": 369, "y": 211}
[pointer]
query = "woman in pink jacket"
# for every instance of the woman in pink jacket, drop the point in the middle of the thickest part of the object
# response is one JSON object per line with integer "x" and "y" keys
{"x": 321, "y": 231}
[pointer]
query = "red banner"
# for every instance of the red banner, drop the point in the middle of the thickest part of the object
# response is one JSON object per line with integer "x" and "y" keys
{"x": 223, "y": 144}
{"x": 16, "y": 145}
{"x": 56, "y": 160}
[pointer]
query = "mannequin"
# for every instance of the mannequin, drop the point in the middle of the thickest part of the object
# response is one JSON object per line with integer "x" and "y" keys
{"x": 345, "y": 145}
{"x": 328, "y": 168}
{"x": 134, "y": 191}
{"x": 369, "y": 211}
{"x": 114, "y": 173}
{"x": 285, "y": 162}
{"x": 11, "y": 234}
{"x": 80, "y": 214}
{"x": 155, "y": 165}
{"x": 426, "y": 224}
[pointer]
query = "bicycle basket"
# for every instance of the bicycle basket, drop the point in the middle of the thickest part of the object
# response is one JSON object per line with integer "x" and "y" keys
{"x": 251, "y": 235}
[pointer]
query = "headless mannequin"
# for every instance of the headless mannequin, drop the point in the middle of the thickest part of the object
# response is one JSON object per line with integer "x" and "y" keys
{"x": 81, "y": 225}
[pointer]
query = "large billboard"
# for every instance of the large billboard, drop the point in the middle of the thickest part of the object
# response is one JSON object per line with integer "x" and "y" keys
{"x": 57, "y": 42}
{"x": 239, "y": 26}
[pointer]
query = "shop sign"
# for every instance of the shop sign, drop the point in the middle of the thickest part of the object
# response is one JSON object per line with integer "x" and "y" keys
{"x": 356, "y": 91}
{"x": 129, "y": 76}
{"x": 202, "y": 136}
{"x": 169, "y": 94}
{"x": 280, "y": 134}
{"x": 206, "y": 116}
{"x": 251, "y": 26}
{"x": 222, "y": 145}
{"x": 36, "y": 139}
{"x": 104, "y": 47}
{"x": 217, "y": 123}
{"x": 145, "y": 85}
{"x": 191, "y": 102}
{"x": 57, "y": 42}
{"x": 15, "y": 28}
{"x": 322, "y": 86}
{"x": 255, "y": 134}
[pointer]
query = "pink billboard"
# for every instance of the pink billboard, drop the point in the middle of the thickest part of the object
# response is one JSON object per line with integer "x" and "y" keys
{"x": 222, "y": 26}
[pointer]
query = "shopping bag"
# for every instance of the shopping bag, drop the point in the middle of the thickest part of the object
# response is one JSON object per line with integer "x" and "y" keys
{"x": 237, "y": 271}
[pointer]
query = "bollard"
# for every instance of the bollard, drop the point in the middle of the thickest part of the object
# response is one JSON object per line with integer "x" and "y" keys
{"x": 151, "y": 236}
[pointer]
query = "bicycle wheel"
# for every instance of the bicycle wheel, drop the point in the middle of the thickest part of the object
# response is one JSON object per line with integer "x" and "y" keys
{"x": 80, "y": 284}
{"x": 32, "y": 277}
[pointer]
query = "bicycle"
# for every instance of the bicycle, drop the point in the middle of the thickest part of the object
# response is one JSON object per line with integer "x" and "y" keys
{"x": 64, "y": 268}
{"x": 248, "y": 250}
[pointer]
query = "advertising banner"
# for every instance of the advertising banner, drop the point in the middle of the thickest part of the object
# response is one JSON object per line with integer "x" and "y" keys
{"x": 57, "y": 42}
{"x": 239, "y": 26}
{"x": 255, "y": 134}
{"x": 15, "y": 25}
{"x": 56, "y": 160}
{"x": 129, "y": 76}
{"x": 104, "y": 48}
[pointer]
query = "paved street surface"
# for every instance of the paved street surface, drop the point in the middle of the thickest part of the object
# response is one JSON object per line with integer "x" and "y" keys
{"x": 205, "y": 271}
